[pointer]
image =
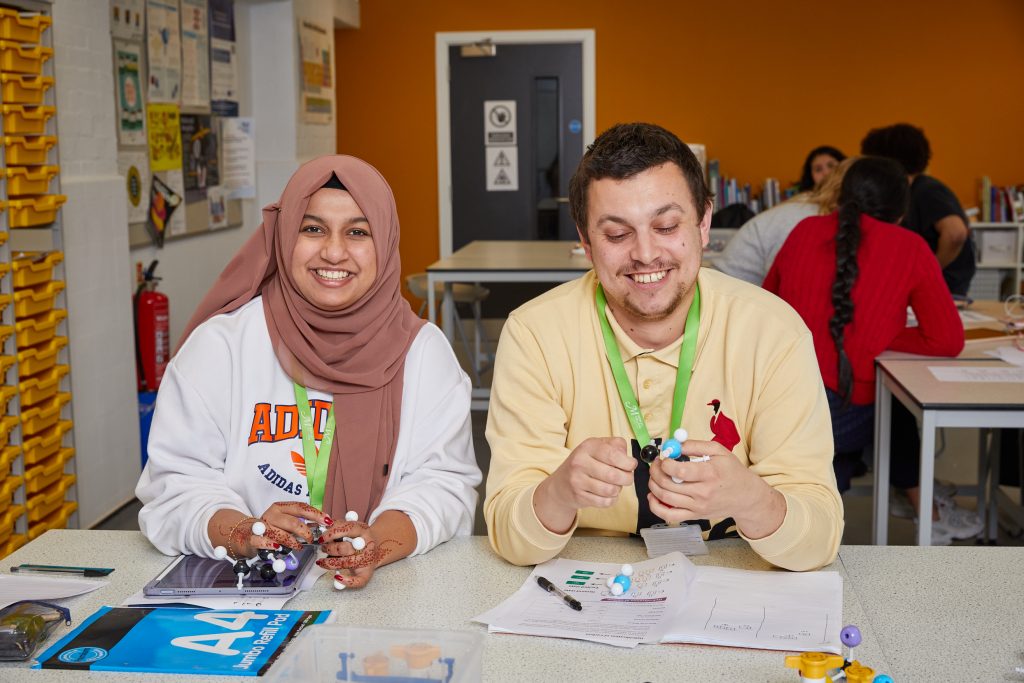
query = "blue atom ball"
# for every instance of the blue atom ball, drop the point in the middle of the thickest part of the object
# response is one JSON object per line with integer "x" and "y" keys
{"x": 850, "y": 635}
{"x": 882, "y": 678}
{"x": 671, "y": 448}
{"x": 623, "y": 581}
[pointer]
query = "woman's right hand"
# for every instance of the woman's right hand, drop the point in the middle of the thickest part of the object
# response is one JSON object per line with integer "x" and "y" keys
{"x": 283, "y": 522}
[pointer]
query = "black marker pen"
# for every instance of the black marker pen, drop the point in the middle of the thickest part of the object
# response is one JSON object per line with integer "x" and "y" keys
{"x": 566, "y": 598}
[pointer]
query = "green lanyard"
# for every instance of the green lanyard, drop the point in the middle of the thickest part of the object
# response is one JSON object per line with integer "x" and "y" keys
{"x": 687, "y": 351}
{"x": 316, "y": 466}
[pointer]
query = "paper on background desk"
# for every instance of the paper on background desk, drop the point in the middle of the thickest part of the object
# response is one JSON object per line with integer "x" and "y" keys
{"x": 1009, "y": 353}
{"x": 961, "y": 373}
{"x": 15, "y": 588}
{"x": 674, "y": 601}
{"x": 240, "y": 601}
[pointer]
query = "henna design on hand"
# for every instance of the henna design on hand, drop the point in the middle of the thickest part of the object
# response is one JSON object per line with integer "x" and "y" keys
{"x": 371, "y": 556}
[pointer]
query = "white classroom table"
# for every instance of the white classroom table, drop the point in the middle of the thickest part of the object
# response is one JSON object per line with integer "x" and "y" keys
{"x": 926, "y": 614}
{"x": 940, "y": 404}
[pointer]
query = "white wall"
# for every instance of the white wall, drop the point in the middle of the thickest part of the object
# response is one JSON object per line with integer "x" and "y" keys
{"x": 100, "y": 267}
{"x": 101, "y": 349}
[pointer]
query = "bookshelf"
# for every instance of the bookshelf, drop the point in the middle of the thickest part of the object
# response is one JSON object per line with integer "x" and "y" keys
{"x": 1000, "y": 255}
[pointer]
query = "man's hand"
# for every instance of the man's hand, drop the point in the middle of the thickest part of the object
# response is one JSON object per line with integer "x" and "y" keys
{"x": 592, "y": 476}
{"x": 718, "y": 488}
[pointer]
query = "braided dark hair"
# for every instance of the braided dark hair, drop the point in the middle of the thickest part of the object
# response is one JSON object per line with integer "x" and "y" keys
{"x": 878, "y": 188}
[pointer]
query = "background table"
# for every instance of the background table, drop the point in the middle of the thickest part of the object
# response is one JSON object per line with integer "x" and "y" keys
{"x": 499, "y": 261}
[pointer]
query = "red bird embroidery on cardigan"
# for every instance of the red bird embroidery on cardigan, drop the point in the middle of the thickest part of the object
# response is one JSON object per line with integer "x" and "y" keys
{"x": 723, "y": 427}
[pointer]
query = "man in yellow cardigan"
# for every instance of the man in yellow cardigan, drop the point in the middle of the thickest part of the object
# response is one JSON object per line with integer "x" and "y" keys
{"x": 593, "y": 375}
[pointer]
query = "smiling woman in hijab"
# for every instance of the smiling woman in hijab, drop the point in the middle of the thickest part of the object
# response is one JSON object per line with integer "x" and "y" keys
{"x": 307, "y": 326}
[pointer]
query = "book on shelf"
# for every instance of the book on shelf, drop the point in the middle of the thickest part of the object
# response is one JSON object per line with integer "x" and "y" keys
{"x": 1001, "y": 204}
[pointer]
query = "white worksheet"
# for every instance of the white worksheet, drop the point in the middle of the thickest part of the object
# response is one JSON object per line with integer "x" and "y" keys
{"x": 963, "y": 373}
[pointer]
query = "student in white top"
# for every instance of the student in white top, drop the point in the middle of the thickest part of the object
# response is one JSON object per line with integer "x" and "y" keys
{"x": 305, "y": 387}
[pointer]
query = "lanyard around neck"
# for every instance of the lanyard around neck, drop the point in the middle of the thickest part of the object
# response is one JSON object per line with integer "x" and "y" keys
{"x": 316, "y": 466}
{"x": 687, "y": 351}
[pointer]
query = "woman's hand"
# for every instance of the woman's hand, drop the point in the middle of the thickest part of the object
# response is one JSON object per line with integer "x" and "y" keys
{"x": 391, "y": 537}
{"x": 283, "y": 521}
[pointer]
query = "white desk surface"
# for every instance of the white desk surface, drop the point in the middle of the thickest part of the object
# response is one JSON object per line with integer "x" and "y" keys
{"x": 925, "y": 613}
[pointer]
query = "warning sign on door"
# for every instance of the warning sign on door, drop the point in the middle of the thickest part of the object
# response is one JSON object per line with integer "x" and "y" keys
{"x": 499, "y": 122}
{"x": 502, "y": 168}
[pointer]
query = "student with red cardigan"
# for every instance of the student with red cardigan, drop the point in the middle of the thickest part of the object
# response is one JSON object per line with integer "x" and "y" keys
{"x": 851, "y": 275}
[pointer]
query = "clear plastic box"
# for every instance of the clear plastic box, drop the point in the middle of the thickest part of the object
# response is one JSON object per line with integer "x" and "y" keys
{"x": 333, "y": 653}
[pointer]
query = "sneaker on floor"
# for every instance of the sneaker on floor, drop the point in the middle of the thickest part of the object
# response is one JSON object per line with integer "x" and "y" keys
{"x": 940, "y": 536}
{"x": 944, "y": 490}
{"x": 899, "y": 505}
{"x": 958, "y": 522}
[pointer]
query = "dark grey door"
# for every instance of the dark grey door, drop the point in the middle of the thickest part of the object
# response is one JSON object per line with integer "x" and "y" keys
{"x": 545, "y": 81}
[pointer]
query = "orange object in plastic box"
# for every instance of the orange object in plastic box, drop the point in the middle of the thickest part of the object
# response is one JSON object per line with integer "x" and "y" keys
{"x": 32, "y": 301}
{"x": 41, "y": 446}
{"x": 23, "y": 59}
{"x": 7, "y": 392}
{"x": 24, "y": 88}
{"x": 43, "y": 415}
{"x": 28, "y": 151}
{"x": 7, "y": 456}
{"x": 32, "y": 180}
{"x": 30, "y": 211}
{"x": 35, "y": 267}
{"x": 41, "y": 387}
{"x": 21, "y": 119}
{"x": 57, "y": 520}
{"x": 47, "y": 472}
{"x": 42, "y": 504}
{"x": 24, "y": 27}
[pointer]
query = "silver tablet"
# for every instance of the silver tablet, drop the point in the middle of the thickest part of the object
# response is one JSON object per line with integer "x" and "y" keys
{"x": 193, "y": 575}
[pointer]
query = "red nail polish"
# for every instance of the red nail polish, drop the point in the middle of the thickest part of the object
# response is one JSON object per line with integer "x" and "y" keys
{"x": 328, "y": 521}
{"x": 277, "y": 546}
{"x": 339, "y": 577}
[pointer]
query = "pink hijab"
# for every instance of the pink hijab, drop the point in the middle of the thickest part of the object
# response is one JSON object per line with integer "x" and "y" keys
{"x": 357, "y": 354}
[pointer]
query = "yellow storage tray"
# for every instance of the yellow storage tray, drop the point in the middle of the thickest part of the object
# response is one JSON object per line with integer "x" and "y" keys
{"x": 12, "y": 544}
{"x": 31, "y": 180}
{"x": 42, "y": 504}
{"x": 7, "y": 489}
{"x": 5, "y": 300}
{"x": 6, "y": 362}
{"x": 57, "y": 520}
{"x": 23, "y": 27}
{"x": 3, "y": 235}
{"x": 37, "y": 359}
{"x": 7, "y": 423}
{"x": 36, "y": 300}
{"x": 28, "y": 151}
{"x": 8, "y": 518}
{"x": 23, "y": 59}
{"x": 38, "y": 330}
{"x": 7, "y": 456}
{"x": 36, "y": 267}
{"x": 41, "y": 387}
{"x": 43, "y": 475}
{"x": 30, "y": 211}
{"x": 44, "y": 415}
{"x": 21, "y": 119}
{"x": 5, "y": 332}
{"x": 24, "y": 89}
{"x": 41, "y": 446}
{"x": 7, "y": 392}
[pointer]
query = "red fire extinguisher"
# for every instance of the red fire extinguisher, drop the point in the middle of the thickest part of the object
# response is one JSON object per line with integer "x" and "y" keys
{"x": 152, "y": 329}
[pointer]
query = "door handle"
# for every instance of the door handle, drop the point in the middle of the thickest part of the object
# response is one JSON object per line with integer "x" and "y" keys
{"x": 561, "y": 200}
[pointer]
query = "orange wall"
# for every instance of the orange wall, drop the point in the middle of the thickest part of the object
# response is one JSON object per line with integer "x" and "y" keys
{"x": 758, "y": 85}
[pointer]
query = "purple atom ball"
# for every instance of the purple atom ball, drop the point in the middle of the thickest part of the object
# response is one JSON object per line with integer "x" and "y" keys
{"x": 850, "y": 635}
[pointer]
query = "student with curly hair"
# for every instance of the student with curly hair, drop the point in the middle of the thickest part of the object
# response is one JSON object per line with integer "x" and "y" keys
{"x": 818, "y": 166}
{"x": 934, "y": 212}
{"x": 851, "y": 275}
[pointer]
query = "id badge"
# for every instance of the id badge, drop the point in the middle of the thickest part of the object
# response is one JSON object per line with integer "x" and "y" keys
{"x": 661, "y": 539}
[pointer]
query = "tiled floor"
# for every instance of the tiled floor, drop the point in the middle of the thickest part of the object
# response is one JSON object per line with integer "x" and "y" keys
{"x": 858, "y": 509}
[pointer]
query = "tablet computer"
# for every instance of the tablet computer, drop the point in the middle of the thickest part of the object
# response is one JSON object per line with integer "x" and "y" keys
{"x": 194, "y": 575}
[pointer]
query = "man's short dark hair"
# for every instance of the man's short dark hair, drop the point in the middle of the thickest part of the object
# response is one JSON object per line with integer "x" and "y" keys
{"x": 901, "y": 142}
{"x": 623, "y": 151}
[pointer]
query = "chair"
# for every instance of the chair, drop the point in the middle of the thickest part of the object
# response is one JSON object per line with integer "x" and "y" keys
{"x": 473, "y": 295}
